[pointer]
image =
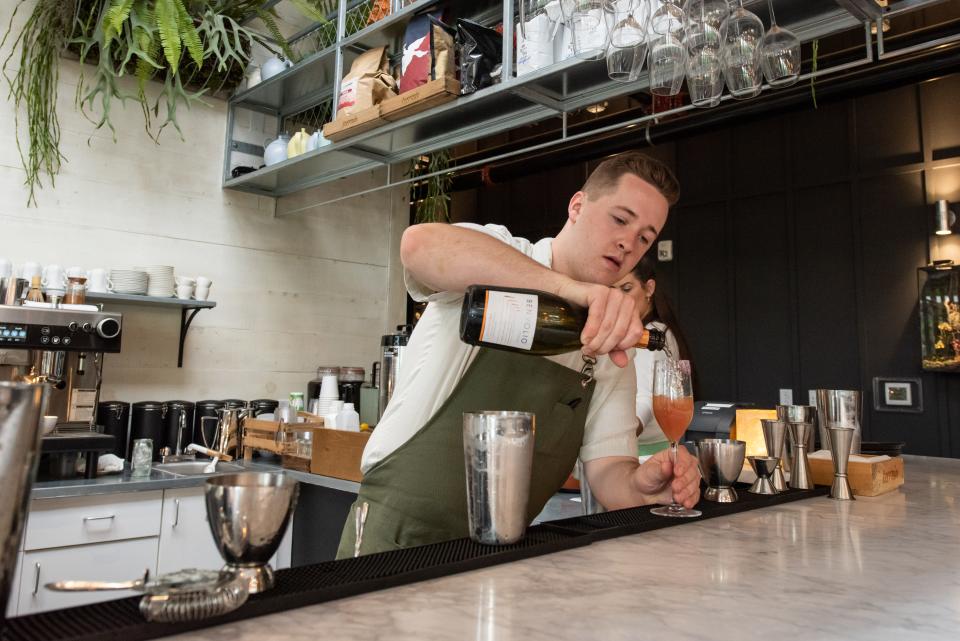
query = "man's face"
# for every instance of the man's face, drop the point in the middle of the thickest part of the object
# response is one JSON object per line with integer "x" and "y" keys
{"x": 612, "y": 230}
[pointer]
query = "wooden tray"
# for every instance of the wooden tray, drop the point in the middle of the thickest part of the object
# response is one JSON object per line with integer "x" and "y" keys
{"x": 337, "y": 453}
{"x": 426, "y": 96}
{"x": 357, "y": 123}
{"x": 866, "y": 478}
{"x": 273, "y": 436}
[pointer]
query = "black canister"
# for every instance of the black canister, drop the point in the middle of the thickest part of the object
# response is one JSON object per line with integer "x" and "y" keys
{"x": 204, "y": 431}
{"x": 263, "y": 406}
{"x": 178, "y": 411}
{"x": 146, "y": 421}
{"x": 234, "y": 404}
{"x": 114, "y": 416}
{"x": 351, "y": 380}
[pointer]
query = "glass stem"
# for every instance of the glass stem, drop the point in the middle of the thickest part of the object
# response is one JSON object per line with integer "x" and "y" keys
{"x": 673, "y": 501}
{"x": 773, "y": 20}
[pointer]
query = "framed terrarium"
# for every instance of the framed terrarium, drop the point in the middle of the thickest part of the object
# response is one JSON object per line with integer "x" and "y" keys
{"x": 940, "y": 317}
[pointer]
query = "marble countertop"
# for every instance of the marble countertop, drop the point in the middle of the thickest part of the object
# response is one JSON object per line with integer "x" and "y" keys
{"x": 158, "y": 480}
{"x": 877, "y": 568}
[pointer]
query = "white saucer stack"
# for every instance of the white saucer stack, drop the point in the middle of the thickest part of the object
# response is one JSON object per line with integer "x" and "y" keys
{"x": 129, "y": 281}
{"x": 161, "y": 280}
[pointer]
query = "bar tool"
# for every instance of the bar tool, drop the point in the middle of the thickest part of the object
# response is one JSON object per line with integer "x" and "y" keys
{"x": 721, "y": 461}
{"x": 21, "y": 407}
{"x": 588, "y": 501}
{"x": 248, "y": 513}
{"x": 361, "y": 519}
{"x": 838, "y": 408}
{"x": 800, "y": 477}
{"x": 840, "y": 441}
{"x": 185, "y": 595}
{"x": 763, "y": 466}
{"x": 498, "y": 455}
{"x": 774, "y": 436}
{"x": 796, "y": 414}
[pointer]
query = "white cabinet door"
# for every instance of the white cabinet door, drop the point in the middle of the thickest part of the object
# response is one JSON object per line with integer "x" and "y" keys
{"x": 116, "y": 561}
{"x": 185, "y": 538}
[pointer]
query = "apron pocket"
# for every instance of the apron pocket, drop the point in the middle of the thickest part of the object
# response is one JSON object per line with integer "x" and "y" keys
{"x": 389, "y": 529}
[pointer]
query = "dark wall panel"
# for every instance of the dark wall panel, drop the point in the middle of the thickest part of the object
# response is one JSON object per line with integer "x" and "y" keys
{"x": 894, "y": 243}
{"x": 888, "y": 128}
{"x": 941, "y": 101}
{"x": 703, "y": 288}
{"x": 826, "y": 289}
{"x": 758, "y": 156}
{"x": 701, "y": 166}
{"x": 762, "y": 302}
{"x": 820, "y": 153}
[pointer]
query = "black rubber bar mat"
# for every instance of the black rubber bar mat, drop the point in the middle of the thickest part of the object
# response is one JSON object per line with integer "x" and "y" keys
{"x": 120, "y": 620}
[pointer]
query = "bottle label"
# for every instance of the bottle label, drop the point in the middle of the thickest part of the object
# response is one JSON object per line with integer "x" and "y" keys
{"x": 509, "y": 319}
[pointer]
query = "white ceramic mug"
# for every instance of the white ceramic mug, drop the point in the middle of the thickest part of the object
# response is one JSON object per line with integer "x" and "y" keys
{"x": 76, "y": 272}
{"x": 203, "y": 281}
{"x": 30, "y": 269}
{"x": 201, "y": 293}
{"x": 54, "y": 278}
{"x": 185, "y": 280}
{"x": 98, "y": 282}
{"x": 6, "y": 267}
{"x": 184, "y": 291}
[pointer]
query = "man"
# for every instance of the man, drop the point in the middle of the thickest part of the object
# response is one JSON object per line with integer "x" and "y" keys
{"x": 413, "y": 464}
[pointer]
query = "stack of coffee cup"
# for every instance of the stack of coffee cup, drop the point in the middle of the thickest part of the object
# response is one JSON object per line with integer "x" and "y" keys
{"x": 185, "y": 287}
{"x": 329, "y": 395}
{"x": 98, "y": 282}
{"x": 203, "y": 288}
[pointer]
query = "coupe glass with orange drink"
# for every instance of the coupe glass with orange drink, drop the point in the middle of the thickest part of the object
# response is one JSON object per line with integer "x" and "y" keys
{"x": 673, "y": 407}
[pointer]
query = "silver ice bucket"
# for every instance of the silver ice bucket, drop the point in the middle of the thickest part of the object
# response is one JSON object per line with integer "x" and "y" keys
{"x": 498, "y": 452}
{"x": 21, "y": 406}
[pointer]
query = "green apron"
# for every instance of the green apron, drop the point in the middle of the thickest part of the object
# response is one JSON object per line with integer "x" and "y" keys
{"x": 417, "y": 494}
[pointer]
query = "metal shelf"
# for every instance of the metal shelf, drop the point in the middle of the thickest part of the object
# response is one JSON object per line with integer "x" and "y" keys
{"x": 518, "y": 101}
{"x": 188, "y": 309}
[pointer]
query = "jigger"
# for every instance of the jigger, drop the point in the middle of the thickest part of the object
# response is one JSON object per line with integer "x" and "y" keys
{"x": 763, "y": 466}
{"x": 800, "y": 477}
{"x": 721, "y": 461}
{"x": 774, "y": 436}
{"x": 840, "y": 440}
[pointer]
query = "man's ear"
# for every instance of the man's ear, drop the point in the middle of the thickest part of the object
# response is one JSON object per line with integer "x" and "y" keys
{"x": 573, "y": 207}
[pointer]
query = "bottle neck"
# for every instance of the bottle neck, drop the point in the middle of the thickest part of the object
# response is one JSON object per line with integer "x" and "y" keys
{"x": 652, "y": 339}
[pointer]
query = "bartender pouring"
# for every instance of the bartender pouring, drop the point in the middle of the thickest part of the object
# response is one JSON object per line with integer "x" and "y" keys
{"x": 413, "y": 464}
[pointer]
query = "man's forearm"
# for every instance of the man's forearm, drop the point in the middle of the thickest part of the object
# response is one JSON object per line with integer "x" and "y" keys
{"x": 613, "y": 482}
{"x": 450, "y": 258}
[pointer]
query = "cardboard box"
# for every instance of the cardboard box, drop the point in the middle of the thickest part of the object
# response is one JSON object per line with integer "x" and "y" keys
{"x": 867, "y": 478}
{"x": 749, "y": 430}
{"x": 347, "y": 126}
{"x": 337, "y": 453}
{"x": 426, "y": 96}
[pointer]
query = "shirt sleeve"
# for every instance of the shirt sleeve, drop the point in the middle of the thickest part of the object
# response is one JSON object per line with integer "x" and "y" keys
{"x": 422, "y": 293}
{"x": 611, "y": 427}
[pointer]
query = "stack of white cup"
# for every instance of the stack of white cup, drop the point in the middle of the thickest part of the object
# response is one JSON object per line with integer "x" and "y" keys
{"x": 329, "y": 395}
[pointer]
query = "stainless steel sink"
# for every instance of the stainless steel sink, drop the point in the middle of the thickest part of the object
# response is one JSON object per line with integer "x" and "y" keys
{"x": 195, "y": 468}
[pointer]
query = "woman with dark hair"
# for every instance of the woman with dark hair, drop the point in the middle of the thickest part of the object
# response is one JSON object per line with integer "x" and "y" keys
{"x": 656, "y": 313}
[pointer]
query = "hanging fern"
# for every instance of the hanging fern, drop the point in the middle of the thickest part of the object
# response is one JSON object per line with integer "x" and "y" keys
{"x": 434, "y": 207}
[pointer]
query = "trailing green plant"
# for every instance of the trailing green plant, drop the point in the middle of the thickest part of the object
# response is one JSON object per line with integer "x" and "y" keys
{"x": 192, "y": 47}
{"x": 44, "y": 35}
{"x": 434, "y": 207}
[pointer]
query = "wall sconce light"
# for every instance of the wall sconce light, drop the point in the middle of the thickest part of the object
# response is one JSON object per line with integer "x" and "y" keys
{"x": 945, "y": 219}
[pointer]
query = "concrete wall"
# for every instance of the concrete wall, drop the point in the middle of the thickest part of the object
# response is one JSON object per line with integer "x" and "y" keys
{"x": 292, "y": 291}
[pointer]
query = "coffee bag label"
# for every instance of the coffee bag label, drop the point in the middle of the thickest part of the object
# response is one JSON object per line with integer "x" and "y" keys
{"x": 509, "y": 319}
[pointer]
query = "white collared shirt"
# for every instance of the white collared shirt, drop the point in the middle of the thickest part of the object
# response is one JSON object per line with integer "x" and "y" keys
{"x": 435, "y": 360}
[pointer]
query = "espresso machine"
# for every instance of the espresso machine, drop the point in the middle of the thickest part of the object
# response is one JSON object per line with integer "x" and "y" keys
{"x": 64, "y": 349}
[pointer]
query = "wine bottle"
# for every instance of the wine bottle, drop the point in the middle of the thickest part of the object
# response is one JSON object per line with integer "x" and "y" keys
{"x": 529, "y": 321}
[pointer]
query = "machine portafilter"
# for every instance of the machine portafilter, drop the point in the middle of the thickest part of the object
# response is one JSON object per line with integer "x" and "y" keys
{"x": 21, "y": 406}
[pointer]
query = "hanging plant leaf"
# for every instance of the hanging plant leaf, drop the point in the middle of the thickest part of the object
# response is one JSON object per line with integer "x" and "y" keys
{"x": 169, "y": 33}
{"x": 117, "y": 14}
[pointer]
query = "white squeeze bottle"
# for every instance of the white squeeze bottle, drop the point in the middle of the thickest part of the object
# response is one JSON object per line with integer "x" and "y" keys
{"x": 348, "y": 419}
